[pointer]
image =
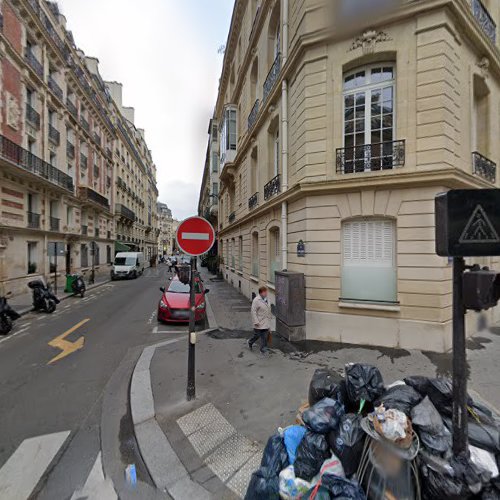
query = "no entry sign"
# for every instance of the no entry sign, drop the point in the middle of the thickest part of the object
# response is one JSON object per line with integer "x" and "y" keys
{"x": 195, "y": 236}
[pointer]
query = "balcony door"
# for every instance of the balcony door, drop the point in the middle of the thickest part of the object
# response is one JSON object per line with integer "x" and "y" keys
{"x": 369, "y": 118}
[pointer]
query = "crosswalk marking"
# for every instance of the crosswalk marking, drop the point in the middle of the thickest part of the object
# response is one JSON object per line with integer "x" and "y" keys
{"x": 96, "y": 486}
{"x": 21, "y": 473}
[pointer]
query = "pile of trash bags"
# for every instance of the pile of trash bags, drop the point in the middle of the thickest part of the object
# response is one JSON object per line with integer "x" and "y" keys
{"x": 325, "y": 454}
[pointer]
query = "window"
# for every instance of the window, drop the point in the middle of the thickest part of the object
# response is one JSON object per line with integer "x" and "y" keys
{"x": 240, "y": 253}
{"x": 369, "y": 260}
{"x": 53, "y": 159}
{"x": 274, "y": 253}
{"x": 232, "y": 253}
{"x": 215, "y": 163}
{"x": 84, "y": 255}
{"x": 108, "y": 254}
{"x": 32, "y": 257}
{"x": 215, "y": 190}
{"x": 369, "y": 119}
{"x": 69, "y": 215}
{"x": 228, "y": 135}
{"x": 276, "y": 157}
{"x": 255, "y": 254}
{"x": 481, "y": 117}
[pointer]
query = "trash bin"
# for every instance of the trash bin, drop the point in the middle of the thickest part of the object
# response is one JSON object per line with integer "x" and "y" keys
{"x": 70, "y": 279}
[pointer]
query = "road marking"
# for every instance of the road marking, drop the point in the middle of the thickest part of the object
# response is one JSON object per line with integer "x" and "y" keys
{"x": 196, "y": 236}
{"x": 155, "y": 330}
{"x": 66, "y": 346}
{"x": 22, "y": 472}
{"x": 96, "y": 486}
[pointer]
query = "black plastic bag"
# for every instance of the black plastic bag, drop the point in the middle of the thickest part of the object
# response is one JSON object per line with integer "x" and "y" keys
{"x": 363, "y": 382}
{"x": 399, "y": 397}
{"x": 484, "y": 436}
{"x": 341, "y": 488}
{"x": 313, "y": 450}
{"x": 324, "y": 416}
{"x": 324, "y": 384}
{"x": 419, "y": 383}
{"x": 263, "y": 484}
{"x": 347, "y": 442}
{"x": 430, "y": 427}
{"x": 275, "y": 456}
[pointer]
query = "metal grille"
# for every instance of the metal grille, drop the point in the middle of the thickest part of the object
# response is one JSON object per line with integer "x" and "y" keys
{"x": 252, "y": 117}
{"x": 272, "y": 77}
{"x": 484, "y": 167}
{"x": 272, "y": 188}
{"x": 253, "y": 201}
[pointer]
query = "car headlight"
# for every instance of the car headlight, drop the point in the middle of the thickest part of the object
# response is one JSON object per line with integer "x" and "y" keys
{"x": 200, "y": 306}
{"x": 163, "y": 305}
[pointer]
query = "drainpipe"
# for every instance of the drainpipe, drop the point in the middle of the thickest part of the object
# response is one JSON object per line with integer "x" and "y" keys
{"x": 284, "y": 133}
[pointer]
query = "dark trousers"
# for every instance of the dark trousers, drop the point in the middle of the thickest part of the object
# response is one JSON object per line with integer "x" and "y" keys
{"x": 262, "y": 335}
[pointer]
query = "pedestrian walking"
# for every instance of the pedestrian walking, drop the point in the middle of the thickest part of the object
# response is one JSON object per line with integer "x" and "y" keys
{"x": 261, "y": 319}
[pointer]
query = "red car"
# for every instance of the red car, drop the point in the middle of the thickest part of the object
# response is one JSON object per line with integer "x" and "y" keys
{"x": 174, "y": 303}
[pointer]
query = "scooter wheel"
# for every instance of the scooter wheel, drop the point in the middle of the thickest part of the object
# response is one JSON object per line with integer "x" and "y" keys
{"x": 50, "y": 306}
{"x": 82, "y": 293}
{"x": 5, "y": 325}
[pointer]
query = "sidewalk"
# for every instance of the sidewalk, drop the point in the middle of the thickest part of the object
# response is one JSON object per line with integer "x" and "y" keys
{"x": 217, "y": 440}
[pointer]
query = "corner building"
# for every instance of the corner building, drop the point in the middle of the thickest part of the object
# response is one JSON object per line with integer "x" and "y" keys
{"x": 336, "y": 134}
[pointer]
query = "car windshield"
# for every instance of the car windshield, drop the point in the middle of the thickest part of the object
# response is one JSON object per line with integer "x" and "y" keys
{"x": 178, "y": 287}
{"x": 125, "y": 261}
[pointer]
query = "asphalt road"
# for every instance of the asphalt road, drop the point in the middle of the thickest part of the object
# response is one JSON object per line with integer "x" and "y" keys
{"x": 56, "y": 373}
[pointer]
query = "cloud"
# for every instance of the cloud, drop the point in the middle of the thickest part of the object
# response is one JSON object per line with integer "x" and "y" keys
{"x": 165, "y": 54}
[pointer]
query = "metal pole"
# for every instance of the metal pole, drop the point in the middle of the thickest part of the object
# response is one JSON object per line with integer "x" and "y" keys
{"x": 55, "y": 271}
{"x": 459, "y": 361}
{"x": 191, "y": 384}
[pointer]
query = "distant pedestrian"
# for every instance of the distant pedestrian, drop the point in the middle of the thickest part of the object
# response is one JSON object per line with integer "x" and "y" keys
{"x": 261, "y": 319}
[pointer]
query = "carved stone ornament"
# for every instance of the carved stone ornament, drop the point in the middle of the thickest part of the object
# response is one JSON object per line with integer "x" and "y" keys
{"x": 13, "y": 111}
{"x": 484, "y": 66}
{"x": 368, "y": 40}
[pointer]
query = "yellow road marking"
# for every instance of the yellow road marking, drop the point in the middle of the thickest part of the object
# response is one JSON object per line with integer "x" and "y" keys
{"x": 66, "y": 346}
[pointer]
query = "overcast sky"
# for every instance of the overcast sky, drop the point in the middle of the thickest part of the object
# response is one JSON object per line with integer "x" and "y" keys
{"x": 165, "y": 52}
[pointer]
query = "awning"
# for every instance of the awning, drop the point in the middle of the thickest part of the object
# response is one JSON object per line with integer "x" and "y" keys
{"x": 121, "y": 247}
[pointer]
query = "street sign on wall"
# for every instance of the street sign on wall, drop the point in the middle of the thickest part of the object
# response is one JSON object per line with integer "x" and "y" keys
{"x": 195, "y": 236}
{"x": 468, "y": 223}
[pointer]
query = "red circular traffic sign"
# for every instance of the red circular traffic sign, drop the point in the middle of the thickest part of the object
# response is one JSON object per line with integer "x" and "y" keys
{"x": 195, "y": 236}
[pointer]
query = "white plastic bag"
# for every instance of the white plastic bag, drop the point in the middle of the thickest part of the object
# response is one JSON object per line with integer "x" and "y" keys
{"x": 292, "y": 487}
{"x": 332, "y": 466}
{"x": 484, "y": 460}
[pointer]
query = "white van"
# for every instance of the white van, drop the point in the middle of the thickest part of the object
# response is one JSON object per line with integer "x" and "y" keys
{"x": 127, "y": 265}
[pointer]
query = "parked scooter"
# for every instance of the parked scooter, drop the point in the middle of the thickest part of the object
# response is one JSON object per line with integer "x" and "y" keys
{"x": 78, "y": 285}
{"x": 7, "y": 315}
{"x": 43, "y": 296}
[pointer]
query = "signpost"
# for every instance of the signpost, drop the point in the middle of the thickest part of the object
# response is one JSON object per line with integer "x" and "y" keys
{"x": 467, "y": 225}
{"x": 195, "y": 236}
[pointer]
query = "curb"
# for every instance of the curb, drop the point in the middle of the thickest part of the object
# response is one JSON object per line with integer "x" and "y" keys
{"x": 164, "y": 466}
{"x": 212, "y": 322}
{"x": 27, "y": 310}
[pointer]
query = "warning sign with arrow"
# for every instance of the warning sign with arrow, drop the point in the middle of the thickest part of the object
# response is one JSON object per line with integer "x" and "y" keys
{"x": 468, "y": 223}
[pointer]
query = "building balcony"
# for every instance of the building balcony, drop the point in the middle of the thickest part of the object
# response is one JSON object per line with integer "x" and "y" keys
{"x": 484, "y": 20}
{"x": 484, "y": 167}
{"x": 72, "y": 108}
{"x": 252, "y": 117}
{"x": 54, "y": 135}
{"x": 85, "y": 230}
{"x": 57, "y": 91}
{"x": 27, "y": 161}
{"x": 33, "y": 220}
{"x": 371, "y": 157}
{"x": 253, "y": 201}
{"x": 70, "y": 150}
{"x": 87, "y": 194}
{"x": 125, "y": 212}
{"x": 97, "y": 139}
{"x": 272, "y": 77}
{"x": 109, "y": 153}
{"x": 32, "y": 116}
{"x": 84, "y": 162}
{"x": 54, "y": 224}
{"x": 85, "y": 124}
{"x": 35, "y": 64}
{"x": 232, "y": 217}
{"x": 272, "y": 188}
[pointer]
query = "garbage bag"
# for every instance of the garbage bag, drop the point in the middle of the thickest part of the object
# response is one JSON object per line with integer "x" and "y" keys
{"x": 484, "y": 461}
{"x": 430, "y": 427}
{"x": 292, "y": 487}
{"x": 318, "y": 493}
{"x": 324, "y": 384}
{"x": 264, "y": 483}
{"x": 332, "y": 465}
{"x": 489, "y": 493}
{"x": 293, "y": 436}
{"x": 484, "y": 436}
{"x": 363, "y": 382}
{"x": 275, "y": 456}
{"x": 324, "y": 416}
{"x": 341, "y": 488}
{"x": 399, "y": 397}
{"x": 313, "y": 450}
{"x": 347, "y": 442}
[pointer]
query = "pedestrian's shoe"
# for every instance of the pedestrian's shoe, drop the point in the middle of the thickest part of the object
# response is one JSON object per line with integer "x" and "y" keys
{"x": 250, "y": 345}
{"x": 266, "y": 353}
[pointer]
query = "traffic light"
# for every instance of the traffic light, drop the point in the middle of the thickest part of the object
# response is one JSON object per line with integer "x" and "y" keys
{"x": 184, "y": 274}
{"x": 481, "y": 289}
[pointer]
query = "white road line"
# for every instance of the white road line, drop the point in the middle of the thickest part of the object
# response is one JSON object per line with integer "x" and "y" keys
{"x": 96, "y": 486}
{"x": 25, "y": 467}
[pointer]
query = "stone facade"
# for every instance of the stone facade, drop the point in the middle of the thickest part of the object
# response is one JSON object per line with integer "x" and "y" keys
{"x": 166, "y": 239}
{"x": 65, "y": 142}
{"x": 345, "y": 130}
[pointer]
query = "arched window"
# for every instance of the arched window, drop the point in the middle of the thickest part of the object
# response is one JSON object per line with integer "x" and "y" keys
{"x": 369, "y": 119}
{"x": 274, "y": 253}
{"x": 369, "y": 260}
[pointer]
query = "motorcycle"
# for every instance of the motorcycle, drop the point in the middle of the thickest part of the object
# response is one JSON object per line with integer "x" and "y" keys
{"x": 43, "y": 297}
{"x": 78, "y": 285}
{"x": 7, "y": 315}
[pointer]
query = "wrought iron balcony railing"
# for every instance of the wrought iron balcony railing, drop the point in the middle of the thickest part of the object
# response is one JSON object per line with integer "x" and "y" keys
{"x": 371, "y": 157}
{"x": 484, "y": 20}
{"x": 109, "y": 153}
{"x": 25, "y": 160}
{"x": 83, "y": 161}
{"x": 33, "y": 220}
{"x": 85, "y": 123}
{"x": 272, "y": 188}
{"x": 54, "y": 135}
{"x": 125, "y": 212}
{"x": 53, "y": 85}
{"x": 484, "y": 167}
{"x": 253, "y": 201}
{"x": 70, "y": 150}
{"x": 252, "y": 117}
{"x": 32, "y": 116}
{"x": 85, "y": 230}
{"x": 232, "y": 217}
{"x": 87, "y": 194}
{"x": 34, "y": 63}
{"x": 54, "y": 224}
{"x": 72, "y": 108}
{"x": 97, "y": 138}
{"x": 272, "y": 77}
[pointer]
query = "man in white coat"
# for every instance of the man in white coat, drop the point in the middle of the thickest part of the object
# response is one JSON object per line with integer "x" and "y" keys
{"x": 261, "y": 319}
